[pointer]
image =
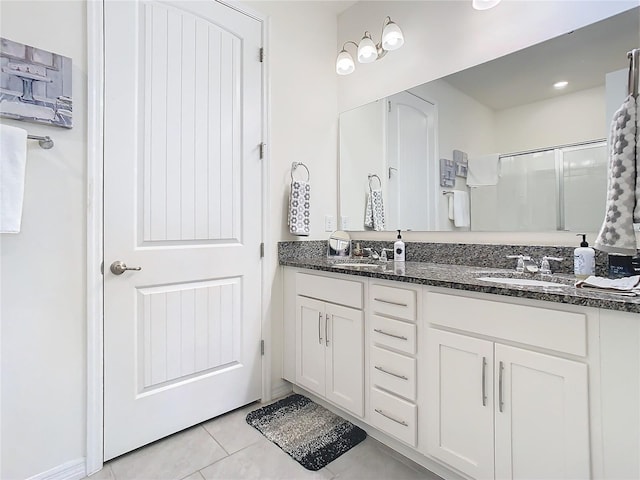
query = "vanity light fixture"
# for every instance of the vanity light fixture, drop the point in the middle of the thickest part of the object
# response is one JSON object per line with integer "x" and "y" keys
{"x": 560, "y": 85}
{"x": 485, "y": 4}
{"x": 367, "y": 50}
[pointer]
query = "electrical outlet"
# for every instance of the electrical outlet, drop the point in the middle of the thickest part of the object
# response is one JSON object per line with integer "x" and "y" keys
{"x": 329, "y": 223}
{"x": 344, "y": 222}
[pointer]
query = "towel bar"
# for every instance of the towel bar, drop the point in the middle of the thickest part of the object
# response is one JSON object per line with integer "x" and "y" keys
{"x": 44, "y": 142}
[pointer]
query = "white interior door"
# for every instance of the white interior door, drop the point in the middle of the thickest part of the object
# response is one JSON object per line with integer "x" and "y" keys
{"x": 182, "y": 201}
{"x": 411, "y": 163}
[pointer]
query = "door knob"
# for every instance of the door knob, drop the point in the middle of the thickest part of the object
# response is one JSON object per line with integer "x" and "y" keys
{"x": 118, "y": 268}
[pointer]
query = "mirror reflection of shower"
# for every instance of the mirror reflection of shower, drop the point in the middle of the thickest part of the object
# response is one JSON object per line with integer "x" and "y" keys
{"x": 548, "y": 189}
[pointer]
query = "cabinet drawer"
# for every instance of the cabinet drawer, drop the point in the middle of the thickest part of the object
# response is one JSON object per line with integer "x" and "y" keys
{"x": 397, "y": 302}
{"x": 394, "y": 334}
{"x": 333, "y": 290}
{"x": 393, "y": 372}
{"x": 394, "y": 416}
{"x": 542, "y": 327}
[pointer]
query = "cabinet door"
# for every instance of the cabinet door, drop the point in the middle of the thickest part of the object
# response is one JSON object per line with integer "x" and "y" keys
{"x": 310, "y": 344}
{"x": 345, "y": 358}
{"x": 460, "y": 406}
{"x": 542, "y": 416}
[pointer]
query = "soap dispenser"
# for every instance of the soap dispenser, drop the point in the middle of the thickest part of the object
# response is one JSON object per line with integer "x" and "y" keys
{"x": 398, "y": 249}
{"x": 584, "y": 259}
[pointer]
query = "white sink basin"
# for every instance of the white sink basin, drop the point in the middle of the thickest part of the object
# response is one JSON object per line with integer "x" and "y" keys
{"x": 343, "y": 265}
{"x": 524, "y": 282}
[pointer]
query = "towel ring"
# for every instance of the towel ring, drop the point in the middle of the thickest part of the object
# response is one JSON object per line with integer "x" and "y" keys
{"x": 295, "y": 165}
{"x": 371, "y": 176}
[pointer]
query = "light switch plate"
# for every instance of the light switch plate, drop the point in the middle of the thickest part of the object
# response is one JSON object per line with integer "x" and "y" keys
{"x": 344, "y": 222}
{"x": 329, "y": 223}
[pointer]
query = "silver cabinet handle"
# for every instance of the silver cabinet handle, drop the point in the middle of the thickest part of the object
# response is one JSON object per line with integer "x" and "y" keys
{"x": 390, "y": 302}
{"x": 319, "y": 329}
{"x": 326, "y": 330}
{"x": 118, "y": 268}
{"x": 401, "y": 422}
{"x": 500, "y": 394}
{"x": 484, "y": 375}
{"x": 390, "y": 373}
{"x": 401, "y": 337}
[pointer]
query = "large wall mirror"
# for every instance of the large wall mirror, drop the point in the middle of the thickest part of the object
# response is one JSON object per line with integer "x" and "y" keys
{"x": 550, "y": 143}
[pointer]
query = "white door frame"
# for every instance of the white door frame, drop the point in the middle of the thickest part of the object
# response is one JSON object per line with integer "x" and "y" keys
{"x": 95, "y": 253}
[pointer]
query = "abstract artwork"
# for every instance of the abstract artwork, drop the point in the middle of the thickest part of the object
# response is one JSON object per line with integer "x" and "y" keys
{"x": 35, "y": 85}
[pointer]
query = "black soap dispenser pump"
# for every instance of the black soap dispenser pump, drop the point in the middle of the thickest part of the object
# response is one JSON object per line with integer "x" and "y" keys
{"x": 398, "y": 249}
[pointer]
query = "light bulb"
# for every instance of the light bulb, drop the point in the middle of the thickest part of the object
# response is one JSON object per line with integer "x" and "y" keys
{"x": 344, "y": 63}
{"x": 392, "y": 37}
{"x": 485, "y": 4}
{"x": 367, "y": 51}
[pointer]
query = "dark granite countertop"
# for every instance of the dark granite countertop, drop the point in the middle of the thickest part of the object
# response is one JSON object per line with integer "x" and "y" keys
{"x": 460, "y": 277}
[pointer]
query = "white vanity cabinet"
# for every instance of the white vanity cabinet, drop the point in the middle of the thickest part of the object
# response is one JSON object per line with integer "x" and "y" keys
{"x": 470, "y": 385}
{"x": 330, "y": 339}
{"x": 500, "y": 411}
{"x": 393, "y": 367}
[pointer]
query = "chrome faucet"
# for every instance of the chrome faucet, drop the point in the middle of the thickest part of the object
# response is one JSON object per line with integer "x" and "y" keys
{"x": 544, "y": 265}
{"x": 372, "y": 253}
{"x": 525, "y": 264}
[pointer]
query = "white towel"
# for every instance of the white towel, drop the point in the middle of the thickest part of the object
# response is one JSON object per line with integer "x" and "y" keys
{"x": 483, "y": 170}
{"x": 461, "y": 216}
{"x": 617, "y": 234}
{"x": 299, "y": 208}
{"x": 374, "y": 214}
{"x": 625, "y": 285}
{"x": 13, "y": 159}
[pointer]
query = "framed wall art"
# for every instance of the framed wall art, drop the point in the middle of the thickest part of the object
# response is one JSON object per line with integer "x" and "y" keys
{"x": 35, "y": 85}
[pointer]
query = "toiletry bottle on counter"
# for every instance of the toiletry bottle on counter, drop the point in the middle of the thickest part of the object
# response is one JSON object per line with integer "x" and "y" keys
{"x": 398, "y": 249}
{"x": 584, "y": 259}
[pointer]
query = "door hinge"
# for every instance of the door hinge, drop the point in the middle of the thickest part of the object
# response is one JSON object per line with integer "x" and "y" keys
{"x": 102, "y": 268}
{"x": 261, "y": 54}
{"x": 262, "y": 146}
{"x": 261, "y": 347}
{"x": 389, "y": 103}
{"x": 262, "y": 250}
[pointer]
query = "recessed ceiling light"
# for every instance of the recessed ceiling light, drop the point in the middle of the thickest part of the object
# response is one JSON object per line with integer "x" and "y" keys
{"x": 560, "y": 85}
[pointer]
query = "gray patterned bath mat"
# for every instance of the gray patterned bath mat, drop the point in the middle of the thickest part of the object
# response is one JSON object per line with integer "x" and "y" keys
{"x": 309, "y": 433}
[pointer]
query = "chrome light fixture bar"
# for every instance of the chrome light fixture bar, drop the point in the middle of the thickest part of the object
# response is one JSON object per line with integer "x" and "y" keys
{"x": 367, "y": 50}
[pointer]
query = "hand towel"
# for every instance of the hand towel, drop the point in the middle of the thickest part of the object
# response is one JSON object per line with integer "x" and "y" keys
{"x": 625, "y": 285}
{"x": 374, "y": 214}
{"x": 298, "y": 218}
{"x": 483, "y": 170}
{"x": 13, "y": 159}
{"x": 450, "y": 206}
{"x": 616, "y": 234}
{"x": 461, "y": 216}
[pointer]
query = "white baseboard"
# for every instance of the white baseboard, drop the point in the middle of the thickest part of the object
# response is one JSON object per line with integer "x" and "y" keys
{"x": 71, "y": 470}
{"x": 281, "y": 389}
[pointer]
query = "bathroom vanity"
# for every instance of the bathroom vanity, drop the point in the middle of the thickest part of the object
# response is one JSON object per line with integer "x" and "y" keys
{"x": 471, "y": 379}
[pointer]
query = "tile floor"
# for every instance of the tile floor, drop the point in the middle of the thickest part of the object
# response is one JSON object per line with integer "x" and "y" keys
{"x": 228, "y": 448}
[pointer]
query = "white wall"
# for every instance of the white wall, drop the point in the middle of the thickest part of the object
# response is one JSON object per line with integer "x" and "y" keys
{"x": 42, "y": 302}
{"x": 463, "y": 124}
{"x": 442, "y": 37}
{"x": 303, "y": 127}
{"x": 362, "y": 152}
{"x": 571, "y": 118}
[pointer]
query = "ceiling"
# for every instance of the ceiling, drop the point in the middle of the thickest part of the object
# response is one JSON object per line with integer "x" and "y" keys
{"x": 581, "y": 57}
